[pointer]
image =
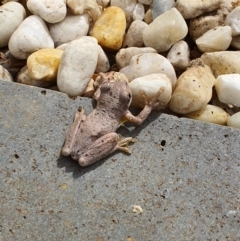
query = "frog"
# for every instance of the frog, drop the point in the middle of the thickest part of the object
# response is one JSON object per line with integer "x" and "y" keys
{"x": 93, "y": 137}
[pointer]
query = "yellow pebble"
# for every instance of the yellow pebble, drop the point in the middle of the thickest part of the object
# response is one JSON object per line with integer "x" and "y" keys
{"x": 110, "y": 27}
{"x": 43, "y": 64}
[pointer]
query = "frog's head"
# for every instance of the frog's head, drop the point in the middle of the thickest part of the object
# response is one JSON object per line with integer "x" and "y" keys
{"x": 118, "y": 90}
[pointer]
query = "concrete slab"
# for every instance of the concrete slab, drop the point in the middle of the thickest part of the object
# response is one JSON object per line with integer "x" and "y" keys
{"x": 184, "y": 174}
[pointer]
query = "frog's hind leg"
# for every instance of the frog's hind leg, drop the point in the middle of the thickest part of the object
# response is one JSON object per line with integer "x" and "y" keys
{"x": 74, "y": 128}
{"x": 103, "y": 147}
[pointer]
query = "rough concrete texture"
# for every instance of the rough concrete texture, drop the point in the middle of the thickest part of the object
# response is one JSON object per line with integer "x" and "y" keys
{"x": 184, "y": 174}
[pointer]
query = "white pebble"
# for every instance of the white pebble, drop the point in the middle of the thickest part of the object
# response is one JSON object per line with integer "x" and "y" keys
{"x": 165, "y": 30}
{"x": 150, "y": 85}
{"x": 134, "y": 36}
{"x": 191, "y": 9}
{"x": 217, "y": 39}
{"x": 200, "y": 25}
{"x": 77, "y": 65}
{"x": 52, "y": 11}
{"x": 228, "y": 89}
{"x": 127, "y": 6}
{"x": 233, "y": 21}
{"x": 5, "y": 75}
{"x": 124, "y": 55}
{"x": 82, "y": 6}
{"x": 102, "y": 62}
{"x": 160, "y": 6}
{"x": 138, "y": 12}
{"x": 12, "y": 14}
{"x": 222, "y": 62}
{"x": 179, "y": 55}
{"x": 149, "y": 63}
{"x": 31, "y": 35}
{"x": 234, "y": 120}
{"x": 72, "y": 27}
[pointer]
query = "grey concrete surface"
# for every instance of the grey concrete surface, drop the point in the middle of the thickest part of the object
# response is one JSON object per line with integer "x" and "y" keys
{"x": 184, "y": 174}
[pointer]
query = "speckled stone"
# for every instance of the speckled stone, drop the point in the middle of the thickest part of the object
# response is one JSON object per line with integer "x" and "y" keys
{"x": 222, "y": 62}
{"x": 184, "y": 174}
{"x": 191, "y": 9}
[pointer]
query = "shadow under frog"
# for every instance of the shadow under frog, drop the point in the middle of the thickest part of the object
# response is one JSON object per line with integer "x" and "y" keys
{"x": 93, "y": 137}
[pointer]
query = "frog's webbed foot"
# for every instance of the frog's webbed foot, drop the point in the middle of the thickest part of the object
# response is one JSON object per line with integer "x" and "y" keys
{"x": 122, "y": 144}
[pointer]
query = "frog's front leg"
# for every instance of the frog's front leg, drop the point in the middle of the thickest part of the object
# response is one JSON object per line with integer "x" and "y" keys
{"x": 149, "y": 106}
{"x": 103, "y": 147}
{"x": 71, "y": 136}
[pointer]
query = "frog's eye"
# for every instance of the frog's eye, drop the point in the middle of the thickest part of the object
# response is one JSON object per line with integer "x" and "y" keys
{"x": 130, "y": 99}
{"x": 105, "y": 87}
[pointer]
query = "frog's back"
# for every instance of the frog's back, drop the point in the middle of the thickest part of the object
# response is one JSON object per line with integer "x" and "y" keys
{"x": 101, "y": 122}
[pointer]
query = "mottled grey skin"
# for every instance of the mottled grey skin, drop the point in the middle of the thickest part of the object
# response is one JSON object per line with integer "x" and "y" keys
{"x": 93, "y": 137}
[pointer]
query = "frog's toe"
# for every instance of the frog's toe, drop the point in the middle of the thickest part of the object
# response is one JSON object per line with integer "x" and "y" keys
{"x": 66, "y": 151}
{"x": 83, "y": 162}
{"x": 122, "y": 144}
